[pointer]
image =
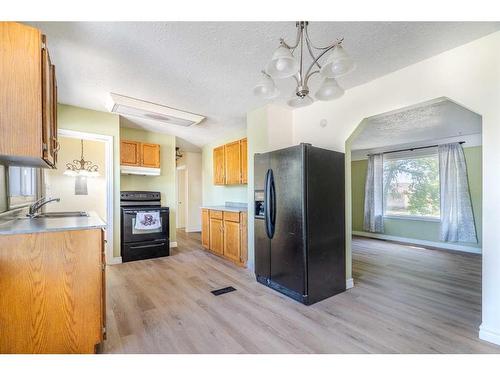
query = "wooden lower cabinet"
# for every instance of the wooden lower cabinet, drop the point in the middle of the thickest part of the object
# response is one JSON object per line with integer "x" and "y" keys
{"x": 216, "y": 236}
{"x": 232, "y": 239}
{"x": 225, "y": 233}
{"x": 205, "y": 228}
{"x": 52, "y": 292}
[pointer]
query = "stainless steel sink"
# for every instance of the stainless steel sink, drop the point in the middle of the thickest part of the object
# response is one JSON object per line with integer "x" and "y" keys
{"x": 61, "y": 214}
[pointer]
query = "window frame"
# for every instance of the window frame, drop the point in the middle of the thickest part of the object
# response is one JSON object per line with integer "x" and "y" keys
{"x": 410, "y": 155}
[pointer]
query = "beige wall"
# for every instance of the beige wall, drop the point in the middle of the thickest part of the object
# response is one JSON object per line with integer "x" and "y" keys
{"x": 217, "y": 194}
{"x": 58, "y": 185}
{"x": 193, "y": 164}
{"x": 469, "y": 75}
{"x": 268, "y": 128}
{"x": 96, "y": 122}
{"x": 165, "y": 183}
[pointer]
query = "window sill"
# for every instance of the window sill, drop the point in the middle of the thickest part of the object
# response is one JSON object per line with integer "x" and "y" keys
{"x": 412, "y": 218}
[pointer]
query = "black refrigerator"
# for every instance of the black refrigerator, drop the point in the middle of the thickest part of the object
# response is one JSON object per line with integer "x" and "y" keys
{"x": 299, "y": 222}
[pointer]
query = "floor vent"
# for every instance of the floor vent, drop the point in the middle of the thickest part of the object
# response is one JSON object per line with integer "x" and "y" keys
{"x": 218, "y": 292}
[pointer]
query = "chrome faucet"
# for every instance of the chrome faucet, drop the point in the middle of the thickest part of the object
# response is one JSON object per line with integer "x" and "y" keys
{"x": 35, "y": 207}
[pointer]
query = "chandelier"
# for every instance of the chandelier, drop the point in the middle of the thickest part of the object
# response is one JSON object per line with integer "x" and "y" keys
{"x": 285, "y": 64}
{"x": 81, "y": 167}
{"x": 178, "y": 153}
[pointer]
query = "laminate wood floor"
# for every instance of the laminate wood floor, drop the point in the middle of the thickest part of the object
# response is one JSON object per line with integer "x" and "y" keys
{"x": 405, "y": 300}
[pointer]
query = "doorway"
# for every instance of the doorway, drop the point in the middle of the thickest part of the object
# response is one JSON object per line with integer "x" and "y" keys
{"x": 182, "y": 197}
{"x": 99, "y": 146}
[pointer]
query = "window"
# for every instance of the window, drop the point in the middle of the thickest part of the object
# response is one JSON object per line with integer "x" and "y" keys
{"x": 411, "y": 184}
{"x": 22, "y": 186}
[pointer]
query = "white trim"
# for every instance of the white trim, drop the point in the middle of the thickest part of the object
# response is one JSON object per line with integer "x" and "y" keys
{"x": 349, "y": 283}
{"x": 413, "y": 241}
{"x": 109, "y": 157}
{"x": 114, "y": 260}
{"x": 192, "y": 230}
{"x": 410, "y": 217}
{"x": 173, "y": 244}
{"x": 487, "y": 334}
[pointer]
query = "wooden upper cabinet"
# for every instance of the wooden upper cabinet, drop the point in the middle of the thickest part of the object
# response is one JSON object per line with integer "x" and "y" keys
{"x": 230, "y": 163}
{"x": 130, "y": 153}
{"x": 150, "y": 155}
{"x": 54, "y": 144}
{"x": 48, "y": 118}
{"x": 244, "y": 160}
{"x": 139, "y": 154}
{"x": 233, "y": 163}
{"x": 28, "y": 98}
{"x": 219, "y": 177}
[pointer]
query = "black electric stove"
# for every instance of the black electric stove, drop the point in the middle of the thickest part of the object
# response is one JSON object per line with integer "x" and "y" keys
{"x": 139, "y": 242}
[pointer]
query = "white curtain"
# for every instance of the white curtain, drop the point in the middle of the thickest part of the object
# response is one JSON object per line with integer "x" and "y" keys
{"x": 374, "y": 208}
{"x": 457, "y": 219}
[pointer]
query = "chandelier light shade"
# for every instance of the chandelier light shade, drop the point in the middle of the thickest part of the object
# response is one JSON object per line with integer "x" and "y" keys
{"x": 282, "y": 64}
{"x": 81, "y": 167}
{"x": 300, "y": 101}
{"x": 329, "y": 90}
{"x": 339, "y": 63}
{"x": 288, "y": 61}
{"x": 265, "y": 88}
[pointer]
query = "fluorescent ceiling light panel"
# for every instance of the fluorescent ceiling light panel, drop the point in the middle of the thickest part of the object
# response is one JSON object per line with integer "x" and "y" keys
{"x": 127, "y": 106}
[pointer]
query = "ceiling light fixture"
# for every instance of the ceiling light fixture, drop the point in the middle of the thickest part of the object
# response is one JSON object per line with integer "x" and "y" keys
{"x": 178, "y": 153}
{"x": 284, "y": 64}
{"x": 82, "y": 167}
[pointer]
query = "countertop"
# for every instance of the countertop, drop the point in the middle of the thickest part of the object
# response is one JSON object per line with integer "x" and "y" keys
{"x": 227, "y": 208}
{"x": 24, "y": 225}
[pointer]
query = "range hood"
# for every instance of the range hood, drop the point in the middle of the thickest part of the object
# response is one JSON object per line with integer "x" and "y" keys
{"x": 127, "y": 106}
{"x": 140, "y": 171}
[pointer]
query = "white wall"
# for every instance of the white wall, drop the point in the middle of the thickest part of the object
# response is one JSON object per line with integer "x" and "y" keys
{"x": 469, "y": 75}
{"x": 192, "y": 162}
{"x": 58, "y": 185}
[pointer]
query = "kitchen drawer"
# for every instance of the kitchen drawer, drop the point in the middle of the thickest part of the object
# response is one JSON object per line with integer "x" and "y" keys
{"x": 145, "y": 250}
{"x": 232, "y": 216}
{"x": 215, "y": 214}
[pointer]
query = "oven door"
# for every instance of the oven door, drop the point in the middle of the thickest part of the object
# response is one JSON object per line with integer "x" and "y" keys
{"x": 130, "y": 232}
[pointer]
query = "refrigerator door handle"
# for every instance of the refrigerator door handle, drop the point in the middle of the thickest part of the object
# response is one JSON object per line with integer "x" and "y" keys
{"x": 272, "y": 191}
{"x": 267, "y": 203}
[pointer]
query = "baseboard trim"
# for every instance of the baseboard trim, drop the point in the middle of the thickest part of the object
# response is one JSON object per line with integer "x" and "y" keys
{"x": 487, "y": 334}
{"x": 412, "y": 241}
{"x": 173, "y": 244}
{"x": 349, "y": 283}
{"x": 115, "y": 260}
{"x": 191, "y": 230}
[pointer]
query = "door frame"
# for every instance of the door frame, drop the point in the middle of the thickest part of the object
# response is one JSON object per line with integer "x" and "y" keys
{"x": 108, "y": 156}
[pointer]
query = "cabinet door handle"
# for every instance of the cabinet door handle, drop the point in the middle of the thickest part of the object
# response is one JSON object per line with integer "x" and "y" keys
{"x": 57, "y": 144}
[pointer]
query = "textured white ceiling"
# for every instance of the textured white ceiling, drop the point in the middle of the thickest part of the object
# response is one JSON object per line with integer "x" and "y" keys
{"x": 427, "y": 122}
{"x": 211, "y": 68}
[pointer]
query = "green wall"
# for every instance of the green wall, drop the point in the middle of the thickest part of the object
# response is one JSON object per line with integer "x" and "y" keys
{"x": 165, "y": 183}
{"x": 86, "y": 120}
{"x": 219, "y": 194}
{"x": 419, "y": 229}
